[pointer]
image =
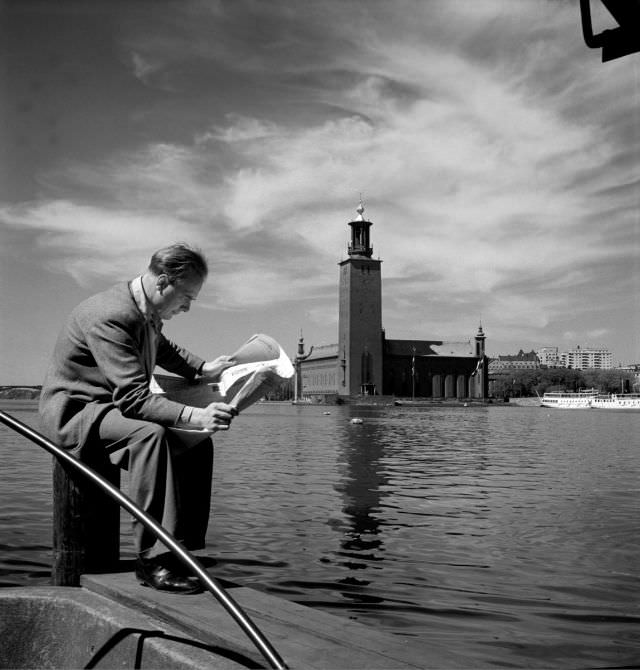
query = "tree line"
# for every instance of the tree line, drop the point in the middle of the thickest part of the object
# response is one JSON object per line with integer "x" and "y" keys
{"x": 282, "y": 392}
{"x": 529, "y": 382}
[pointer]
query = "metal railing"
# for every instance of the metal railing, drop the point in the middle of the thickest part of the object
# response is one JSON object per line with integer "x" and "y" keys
{"x": 232, "y": 607}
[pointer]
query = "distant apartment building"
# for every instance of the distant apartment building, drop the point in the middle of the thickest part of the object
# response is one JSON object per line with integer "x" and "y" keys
{"x": 549, "y": 356}
{"x": 588, "y": 357}
{"x": 579, "y": 358}
{"x": 519, "y": 361}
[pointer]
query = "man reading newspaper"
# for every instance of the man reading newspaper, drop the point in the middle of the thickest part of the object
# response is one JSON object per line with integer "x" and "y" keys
{"x": 96, "y": 402}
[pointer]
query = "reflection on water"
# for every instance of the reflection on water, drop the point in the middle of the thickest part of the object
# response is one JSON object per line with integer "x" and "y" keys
{"x": 361, "y": 487}
{"x": 507, "y": 533}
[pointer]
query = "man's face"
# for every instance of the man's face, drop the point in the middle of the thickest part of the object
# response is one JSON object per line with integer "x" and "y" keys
{"x": 177, "y": 297}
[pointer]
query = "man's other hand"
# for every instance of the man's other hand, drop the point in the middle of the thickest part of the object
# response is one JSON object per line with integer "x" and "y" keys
{"x": 216, "y": 416}
{"x": 213, "y": 369}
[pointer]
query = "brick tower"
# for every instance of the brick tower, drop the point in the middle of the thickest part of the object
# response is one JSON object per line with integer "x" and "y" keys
{"x": 360, "y": 315}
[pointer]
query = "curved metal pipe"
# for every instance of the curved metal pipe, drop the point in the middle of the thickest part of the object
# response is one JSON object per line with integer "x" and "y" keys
{"x": 241, "y": 618}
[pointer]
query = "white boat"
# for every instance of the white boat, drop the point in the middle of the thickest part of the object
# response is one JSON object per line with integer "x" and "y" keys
{"x": 620, "y": 401}
{"x": 569, "y": 400}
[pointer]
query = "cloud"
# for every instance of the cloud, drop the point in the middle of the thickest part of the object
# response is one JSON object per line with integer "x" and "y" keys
{"x": 496, "y": 162}
{"x": 89, "y": 242}
{"x": 240, "y": 129}
{"x": 142, "y": 69}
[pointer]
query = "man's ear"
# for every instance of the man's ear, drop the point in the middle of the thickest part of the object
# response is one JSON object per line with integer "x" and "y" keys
{"x": 162, "y": 282}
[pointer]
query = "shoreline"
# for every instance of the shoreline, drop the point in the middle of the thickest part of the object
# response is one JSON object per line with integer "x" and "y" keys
{"x": 32, "y": 403}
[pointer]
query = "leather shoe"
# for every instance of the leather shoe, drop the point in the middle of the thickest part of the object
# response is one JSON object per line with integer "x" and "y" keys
{"x": 160, "y": 576}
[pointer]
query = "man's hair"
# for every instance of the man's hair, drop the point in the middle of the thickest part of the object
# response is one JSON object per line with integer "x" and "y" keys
{"x": 179, "y": 262}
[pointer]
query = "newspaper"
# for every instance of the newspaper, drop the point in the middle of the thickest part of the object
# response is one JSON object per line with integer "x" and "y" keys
{"x": 261, "y": 366}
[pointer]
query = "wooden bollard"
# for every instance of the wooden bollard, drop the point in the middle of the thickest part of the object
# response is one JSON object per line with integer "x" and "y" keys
{"x": 86, "y": 524}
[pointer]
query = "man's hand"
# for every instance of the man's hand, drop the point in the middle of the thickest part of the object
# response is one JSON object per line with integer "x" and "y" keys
{"x": 213, "y": 369}
{"x": 216, "y": 416}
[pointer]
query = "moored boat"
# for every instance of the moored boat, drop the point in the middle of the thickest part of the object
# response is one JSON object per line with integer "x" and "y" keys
{"x": 618, "y": 401}
{"x": 569, "y": 400}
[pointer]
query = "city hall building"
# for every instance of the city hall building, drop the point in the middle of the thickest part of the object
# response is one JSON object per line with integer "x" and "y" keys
{"x": 365, "y": 363}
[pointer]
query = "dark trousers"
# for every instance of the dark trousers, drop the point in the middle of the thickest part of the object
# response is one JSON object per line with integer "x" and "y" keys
{"x": 167, "y": 479}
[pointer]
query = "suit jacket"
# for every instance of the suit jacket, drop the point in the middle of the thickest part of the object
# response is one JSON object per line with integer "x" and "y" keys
{"x": 101, "y": 361}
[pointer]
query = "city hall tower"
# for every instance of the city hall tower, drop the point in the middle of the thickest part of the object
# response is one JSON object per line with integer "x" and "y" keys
{"x": 360, "y": 337}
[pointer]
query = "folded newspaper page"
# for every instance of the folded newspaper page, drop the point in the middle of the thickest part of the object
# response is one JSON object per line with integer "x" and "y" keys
{"x": 261, "y": 366}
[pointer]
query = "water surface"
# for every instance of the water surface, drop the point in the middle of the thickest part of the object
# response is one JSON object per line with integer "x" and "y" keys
{"x": 510, "y": 534}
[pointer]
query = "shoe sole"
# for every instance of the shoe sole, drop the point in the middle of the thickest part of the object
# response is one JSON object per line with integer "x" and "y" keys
{"x": 186, "y": 592}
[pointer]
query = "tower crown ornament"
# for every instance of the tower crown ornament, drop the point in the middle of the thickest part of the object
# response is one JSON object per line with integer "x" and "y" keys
{"x": 360, "y": 245}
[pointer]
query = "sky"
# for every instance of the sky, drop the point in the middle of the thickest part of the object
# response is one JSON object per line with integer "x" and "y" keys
{"x": 494, "y": 152}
